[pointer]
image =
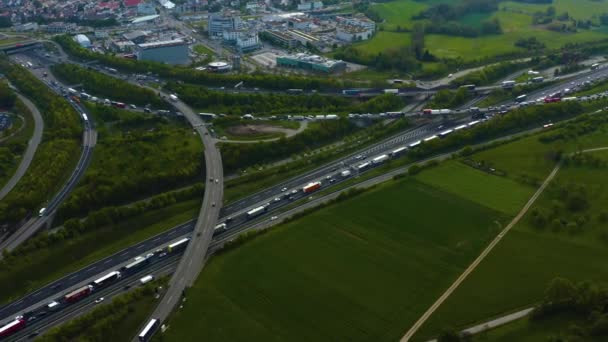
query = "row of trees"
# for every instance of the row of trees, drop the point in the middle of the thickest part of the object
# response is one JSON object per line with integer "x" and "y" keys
{"x": 444, "y": 18}
{"x": 267, "y": 81}
{"x": 272, "y": 103}
{"x": 56, "y": 154}
{"x": 10, "y": 149}
{"x": 585, "y": 302}
{"x": 450, "y": 99}
{"x": 75, "y": 227}
{"x": 102, "y": 85}
{"x": 133, "y": 162}
{"x": 240, "y": 156}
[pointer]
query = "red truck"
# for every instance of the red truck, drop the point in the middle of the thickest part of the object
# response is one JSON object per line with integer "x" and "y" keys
{"x": 120, "y": 105}
{"x": 12, "y": 327}
{"x": 311, "y": 187}
{"x": 552, "y": 99}
{"x": 78, "y": 294}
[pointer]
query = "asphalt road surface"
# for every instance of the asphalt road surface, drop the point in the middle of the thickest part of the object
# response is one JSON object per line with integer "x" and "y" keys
{"x": 89, "y": 140}
{"x": 27, "y": 157}
{"x": 194, "y": 257}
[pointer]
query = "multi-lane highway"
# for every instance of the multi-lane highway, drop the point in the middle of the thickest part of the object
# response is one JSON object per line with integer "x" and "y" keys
{"x": 89, "y": 140}
{"x": 236, "y": 214}
{"x": 32, "y": 146}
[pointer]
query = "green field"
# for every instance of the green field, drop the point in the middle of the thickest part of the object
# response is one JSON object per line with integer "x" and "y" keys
{"x": 384, "y": 40}
{"x": 363, "y": 269}
{"x": 569, "y": 245}
{"x": 579, "y": 9}
{"x": 498, "y": 193}
{"x": 399, "y": 13}
{"x": 515, "y": 19}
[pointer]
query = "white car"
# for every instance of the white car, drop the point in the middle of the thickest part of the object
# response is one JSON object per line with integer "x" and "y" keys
{"x": 273, "y": 218}
{"x": 277, "y": 199}
{"x": 99, "y": 300}
{"x": 284, "y": 189}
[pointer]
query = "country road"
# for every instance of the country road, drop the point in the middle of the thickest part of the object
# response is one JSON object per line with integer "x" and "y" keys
{"x": 32, "y": 146}
{"x": 494, "y": 323}
{"x": 408, "y": 335}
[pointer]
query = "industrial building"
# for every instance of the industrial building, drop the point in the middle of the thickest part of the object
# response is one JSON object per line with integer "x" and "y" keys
{"x": 311, "y": 62}
{"x": 219, "y": 67}
{"x": 168, "y": 51}
{"x": 282, "y": 39}
{"x": 353, "y": 33}
{"x": 217, "y": 24}
{"x": 83, "y": 40}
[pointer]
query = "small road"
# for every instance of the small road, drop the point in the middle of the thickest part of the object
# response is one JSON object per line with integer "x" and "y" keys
{"x": 89, "y": 139}
{"x": 32, "y": 146}
{"x": 288, "y": 134}
{"x": 408, "y": 335}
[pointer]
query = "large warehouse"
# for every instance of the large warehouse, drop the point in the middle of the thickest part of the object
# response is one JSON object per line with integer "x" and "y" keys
{"x": 168, "y": 51}
{"x": 311, "y": 62}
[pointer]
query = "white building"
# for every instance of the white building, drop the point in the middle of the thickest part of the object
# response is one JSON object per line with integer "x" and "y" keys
{"x": 218, "y": 23}
{"x": 83, "y": 40}
{"x": 310, "y": 5}
{"x": 26, "y": 27}
{"x": 360, "y": 21}
{"x": 248, "y": 43}
{"x": 353, "y": 33}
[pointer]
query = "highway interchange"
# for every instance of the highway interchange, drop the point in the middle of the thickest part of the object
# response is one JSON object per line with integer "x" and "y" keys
{"x": 32, "y": 146}
{"x": 194, "y": 258}
{"x": 35, "y": 223}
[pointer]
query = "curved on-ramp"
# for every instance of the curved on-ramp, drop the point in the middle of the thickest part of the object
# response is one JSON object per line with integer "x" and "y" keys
{"x": 32, "y": 146}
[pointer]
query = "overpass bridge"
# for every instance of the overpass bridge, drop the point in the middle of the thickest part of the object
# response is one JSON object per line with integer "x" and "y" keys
{"x": 18, "y": 47}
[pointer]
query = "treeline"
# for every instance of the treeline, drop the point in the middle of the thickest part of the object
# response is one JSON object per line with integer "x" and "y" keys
{"x": 75, "y": 227}
{"x": 241, "y": 156}
{"x": 102, "y": 85}
{"x": 110, "y": 321}
{"x": 11, "y": 149}
{"x": 272, "y": 103}
{"x": 56, "y": 154}
{"x": 493, "y": 73}
{"x": 401, "y": 59}
{"x": 444, "y": 18}
{"x": 499, "y": 126}
{"x": 237, "y": 156}
{"x": 450, "y": 99}
{"x": 133, "y": 162}
{"x": 267, "y": 81}
{"x": 584, "y": 302}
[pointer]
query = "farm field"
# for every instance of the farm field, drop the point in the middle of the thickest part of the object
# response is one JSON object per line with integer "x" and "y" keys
{"x": 515, "y": 19}
{"x": 384, "y": 40}
{"x": 499, "y": 193}
{"x": 559, "y": 237}
{"x": 362, "y": 269}
{"x": 527, "y": 158}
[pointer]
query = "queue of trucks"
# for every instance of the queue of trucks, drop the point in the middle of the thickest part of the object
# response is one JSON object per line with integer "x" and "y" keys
{"x": 85, "y": 291}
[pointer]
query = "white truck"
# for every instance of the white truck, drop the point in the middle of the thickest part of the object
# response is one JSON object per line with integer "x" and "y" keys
{"x": 380, "y": 159}
{"x": 146, "y": 279}
{"x": 345, "y": 173}
{"x": 391, "y": 91}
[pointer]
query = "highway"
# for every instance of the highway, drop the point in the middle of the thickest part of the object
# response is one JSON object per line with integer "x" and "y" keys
{"x": 194, "y": 257}
{"x": 193, "y": 260}
{"x": 32, "y": 146}
{"x": 220, "y": 239}
{"x": 89, "y": 140}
